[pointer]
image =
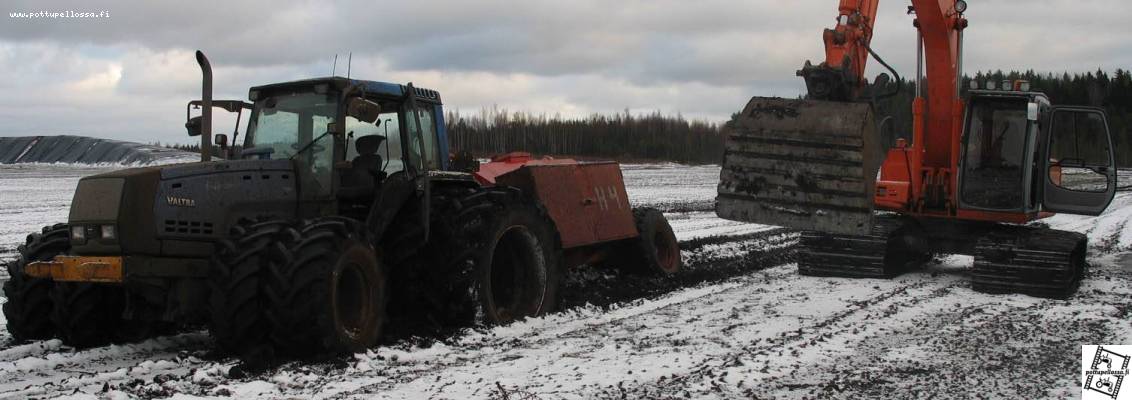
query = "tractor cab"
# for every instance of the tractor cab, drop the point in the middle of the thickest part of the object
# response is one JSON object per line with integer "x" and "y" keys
{"x": 345, "y": 137}
{"x": 1021, "y": 155}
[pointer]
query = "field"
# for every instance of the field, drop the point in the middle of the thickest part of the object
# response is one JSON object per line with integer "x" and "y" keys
{"x": 739, "y": 323}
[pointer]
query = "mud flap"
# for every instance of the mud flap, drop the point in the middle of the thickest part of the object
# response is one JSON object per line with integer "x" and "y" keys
{"x": 802, "y": 164}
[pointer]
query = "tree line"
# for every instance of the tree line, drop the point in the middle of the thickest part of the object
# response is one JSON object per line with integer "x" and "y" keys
{"x": 652, "y": 136}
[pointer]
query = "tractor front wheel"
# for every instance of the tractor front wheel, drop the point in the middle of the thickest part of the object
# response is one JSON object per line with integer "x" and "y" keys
{"x": 236, "y": 301}
{"x": 28, "y": 306}
{"x": 87, "y": 314}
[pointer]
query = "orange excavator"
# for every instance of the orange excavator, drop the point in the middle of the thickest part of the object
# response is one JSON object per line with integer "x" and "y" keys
{"x": 979, "y": 168}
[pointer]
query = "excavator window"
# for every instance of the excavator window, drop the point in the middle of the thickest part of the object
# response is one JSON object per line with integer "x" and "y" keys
{"x": 995, "y": 154}
{"x": 1080, "y": 176}
{"x": 1079, "y": 152}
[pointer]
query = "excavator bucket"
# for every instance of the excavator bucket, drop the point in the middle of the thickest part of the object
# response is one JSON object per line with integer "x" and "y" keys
{"x": 802, "y": 164}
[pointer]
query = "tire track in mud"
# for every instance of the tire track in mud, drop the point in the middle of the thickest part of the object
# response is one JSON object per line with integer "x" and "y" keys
{"x": 705, "y": 261}
{"x": 709, "y": 376}
{"x": 917, "y": 339}
{"x": 1024, "y": 346}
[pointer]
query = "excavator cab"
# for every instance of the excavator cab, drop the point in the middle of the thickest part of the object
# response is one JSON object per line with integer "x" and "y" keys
{"x": 999, "y": 150}
{"x": 1022, "y": 155}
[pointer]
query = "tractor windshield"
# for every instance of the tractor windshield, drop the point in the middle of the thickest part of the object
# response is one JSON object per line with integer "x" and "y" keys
{"x": 995, "y": 154}
{"x": 295, "y": 125}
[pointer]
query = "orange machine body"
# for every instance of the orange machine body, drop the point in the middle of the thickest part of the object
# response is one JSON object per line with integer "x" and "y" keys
{"x": 919, "y": 178}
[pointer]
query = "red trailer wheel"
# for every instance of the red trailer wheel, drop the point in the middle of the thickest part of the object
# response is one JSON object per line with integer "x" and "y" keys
{"x": 656, "y": 250}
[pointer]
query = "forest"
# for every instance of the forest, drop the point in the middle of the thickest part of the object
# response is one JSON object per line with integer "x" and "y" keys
{"x": 622, "y": 136}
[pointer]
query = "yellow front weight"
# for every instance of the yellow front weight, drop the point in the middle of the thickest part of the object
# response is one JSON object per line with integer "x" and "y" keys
{"x": 77, "y": 269}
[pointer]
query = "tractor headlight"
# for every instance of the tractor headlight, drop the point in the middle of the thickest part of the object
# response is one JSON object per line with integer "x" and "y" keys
{"x": 78, "y": 233}
{"x": 108, "y": 232}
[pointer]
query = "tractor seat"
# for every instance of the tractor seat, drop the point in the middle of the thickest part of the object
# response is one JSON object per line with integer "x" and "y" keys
{"x": 360, "y": 181}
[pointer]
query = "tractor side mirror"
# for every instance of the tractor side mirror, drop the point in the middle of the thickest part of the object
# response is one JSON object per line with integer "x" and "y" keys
{"x": 1032, "y": 111}
{"x": 364, "y": 110}
{"x": 221, "y": 140}
{"x": 193, "y": 126}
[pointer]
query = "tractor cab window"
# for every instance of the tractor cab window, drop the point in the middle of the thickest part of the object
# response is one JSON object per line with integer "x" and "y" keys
{"x": 295, "y": 126}
{"x": 388, "y": 126}
{"x": 424, "y": 153}
{"x": 994, "y": 161}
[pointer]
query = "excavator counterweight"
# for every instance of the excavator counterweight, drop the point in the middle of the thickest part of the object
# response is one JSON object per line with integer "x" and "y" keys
{"x": 804, "y": 164}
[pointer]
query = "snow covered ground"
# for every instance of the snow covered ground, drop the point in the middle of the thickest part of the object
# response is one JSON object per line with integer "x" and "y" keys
{"x": 739, "y": 323}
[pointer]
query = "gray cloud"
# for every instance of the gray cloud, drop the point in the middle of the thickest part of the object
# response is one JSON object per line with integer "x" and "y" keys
{"x": 130, "y": 75}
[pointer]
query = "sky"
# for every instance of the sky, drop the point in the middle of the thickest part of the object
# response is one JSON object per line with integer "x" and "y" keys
{"x": 128, "y": 75}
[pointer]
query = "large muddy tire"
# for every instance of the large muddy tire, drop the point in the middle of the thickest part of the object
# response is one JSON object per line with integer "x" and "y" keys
{"x": 28, "y": 305}
{"x": 329, "y": 296}
{"x": 87, "y": 314}
{"x": 236, "y": 302}
{"x": 656, "y": 251}
{"x": 504, "y": 249}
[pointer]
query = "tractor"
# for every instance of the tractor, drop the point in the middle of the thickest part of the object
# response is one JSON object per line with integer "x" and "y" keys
{"x": 340, "y": 202}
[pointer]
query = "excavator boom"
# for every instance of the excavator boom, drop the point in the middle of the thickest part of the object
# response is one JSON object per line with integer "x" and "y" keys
{"x": 813, "y": 164}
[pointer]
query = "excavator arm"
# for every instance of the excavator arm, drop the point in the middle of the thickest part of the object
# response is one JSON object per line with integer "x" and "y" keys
{"x": 813, "y": 164}
{"x": 841, "y": 76}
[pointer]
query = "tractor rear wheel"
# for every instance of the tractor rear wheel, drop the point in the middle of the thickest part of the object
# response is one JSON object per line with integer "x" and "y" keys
{"x": 507, "y": 245}
{"x": 329, "y": 296}
{"x": 236, "y": 302}
{"x": 28, "y": 306}
{"x": 656, "y": 250}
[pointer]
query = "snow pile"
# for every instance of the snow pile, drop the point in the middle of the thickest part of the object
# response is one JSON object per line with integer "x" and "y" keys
{"x": 67, "y": 149}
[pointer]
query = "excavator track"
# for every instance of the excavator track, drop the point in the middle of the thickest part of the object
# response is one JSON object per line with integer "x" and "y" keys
{"x": 877, "y": 255}
{"x": 1034, "y": 261}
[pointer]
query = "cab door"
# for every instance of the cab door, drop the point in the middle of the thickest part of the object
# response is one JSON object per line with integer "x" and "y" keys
{"x": 1080, "y": 166}
{"x": 417, "y": 157}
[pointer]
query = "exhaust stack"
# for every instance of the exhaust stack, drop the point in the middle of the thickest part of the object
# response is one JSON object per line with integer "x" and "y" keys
{"x": 206, "y": 108}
